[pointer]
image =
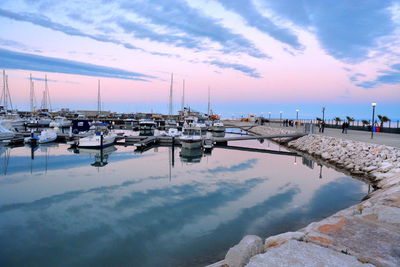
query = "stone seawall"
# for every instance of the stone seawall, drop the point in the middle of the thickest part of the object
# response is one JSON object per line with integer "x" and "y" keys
{"x": 361, "y": 235}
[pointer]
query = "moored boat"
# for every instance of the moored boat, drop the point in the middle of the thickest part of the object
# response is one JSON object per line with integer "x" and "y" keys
{"x": 47, "y": 136}
{"x": 191, "y": 138}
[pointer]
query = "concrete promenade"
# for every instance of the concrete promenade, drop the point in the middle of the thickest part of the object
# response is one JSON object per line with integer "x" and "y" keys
{"x": 388, "y": 139}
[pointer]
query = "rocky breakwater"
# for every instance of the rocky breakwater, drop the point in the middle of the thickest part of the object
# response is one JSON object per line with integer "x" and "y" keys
{"x": 371, "y": 161}
{"x": 365, "y": 234}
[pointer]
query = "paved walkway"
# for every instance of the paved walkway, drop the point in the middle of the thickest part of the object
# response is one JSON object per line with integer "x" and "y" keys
{"x": 388, "y": 139}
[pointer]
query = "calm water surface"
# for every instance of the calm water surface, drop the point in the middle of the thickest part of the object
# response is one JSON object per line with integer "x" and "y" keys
{"x": 60, "y": 207}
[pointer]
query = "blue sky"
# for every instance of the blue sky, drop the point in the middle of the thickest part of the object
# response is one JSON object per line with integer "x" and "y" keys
{"x": 257, "y": 56}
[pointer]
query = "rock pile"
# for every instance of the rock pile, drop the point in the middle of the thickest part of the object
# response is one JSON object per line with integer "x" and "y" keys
{"x": 377, "y": 162}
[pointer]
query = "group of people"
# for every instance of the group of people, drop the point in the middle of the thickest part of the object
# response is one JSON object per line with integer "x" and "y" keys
{"x": 288, "y": 123}
{"x": 345, "y": 126}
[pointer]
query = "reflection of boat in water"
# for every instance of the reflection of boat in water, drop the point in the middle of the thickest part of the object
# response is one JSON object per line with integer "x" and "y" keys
{"x": 100, "y": 155}
{"x": 146, "y": 132}
{"x": 191, "y": 155}
{"x": 218, "y": 134}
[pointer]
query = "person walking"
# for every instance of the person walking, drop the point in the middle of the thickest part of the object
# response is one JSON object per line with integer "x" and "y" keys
{"x": 322, "y": 126}
{"x": 346, "y": 127}
{"x": 343, "y": 126}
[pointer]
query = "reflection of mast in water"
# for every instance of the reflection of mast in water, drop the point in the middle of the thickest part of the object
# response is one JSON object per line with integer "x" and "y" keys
{"x": 320, "y": 172}
{"x": 6, "y": 160}
{"x": 171, "y": 158}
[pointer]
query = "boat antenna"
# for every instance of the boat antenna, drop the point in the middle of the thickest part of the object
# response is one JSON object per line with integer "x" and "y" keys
{"x": 98, "y": 98}
{"x": 183, "y": 98}
{"x": 208, "y": 110}
{"x": 170, "y": 96}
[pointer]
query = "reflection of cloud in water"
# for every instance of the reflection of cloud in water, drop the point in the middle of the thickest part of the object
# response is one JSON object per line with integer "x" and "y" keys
{"x": 328, "y": 199}
{"x": 114, "y": 230}
{"x": 21, "y": 164}
{"x": 234, "y": 168}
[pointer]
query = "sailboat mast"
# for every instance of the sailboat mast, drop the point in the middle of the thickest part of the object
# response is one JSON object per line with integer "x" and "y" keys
{"x": 8, "y": 94}
{"x": 98, "y": 98}
{"x": 4, "y": 96}
{"x": 48, "y": 103}
{"x": 32, "y": 94}
{"x": 170, "y": 96}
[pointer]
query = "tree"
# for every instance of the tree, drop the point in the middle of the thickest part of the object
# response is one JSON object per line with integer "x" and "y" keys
{"x": 350, "y": 119}
{"x": 337, "y": 119}
{"x": 365, "y": 122}
{"x": 383, "y": 119}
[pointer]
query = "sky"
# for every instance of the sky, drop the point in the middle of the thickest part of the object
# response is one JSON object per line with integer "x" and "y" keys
{"x": 256, "y": 56}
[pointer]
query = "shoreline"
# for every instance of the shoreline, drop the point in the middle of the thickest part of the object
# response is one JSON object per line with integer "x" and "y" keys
{"x": 363, "y": 234}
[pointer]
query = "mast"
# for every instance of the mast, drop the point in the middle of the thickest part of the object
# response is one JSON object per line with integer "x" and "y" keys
{"x": 170, "y": 96}
{"x": 183, "y": 98}
{"x": 208, "y": 110}
{"x": 98, "y": 98}
{"x": 48, "y": 103}
{"x": 32, "y": 95}
{"x": 8, "y": 94}
{"x": 3, "y": 95}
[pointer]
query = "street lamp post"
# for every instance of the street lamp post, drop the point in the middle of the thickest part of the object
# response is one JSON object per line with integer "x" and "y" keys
{"x": 373, "y": 118}
{"x": 280, "y": 117}
{"x": 297, "y": 117}
{"x": 269, "y": 113}
{"x": 323, "y": 113}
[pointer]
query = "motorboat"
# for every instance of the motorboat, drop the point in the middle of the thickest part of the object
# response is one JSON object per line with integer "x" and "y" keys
{"x": 173, "y": 132}
{"x": 147, "y": 124}
{"x": 131, "y": 123}
{"x": 191, "y": 138}
{"x": 99, "y": 139}
{"x": 5, "y": 134}
{"x": 201, "y": 123}
{"x": 47, "y": 136}
{"x": 218, "y": 126}
{"x": 60, "y": 122}
{"x": 170, "y": 124}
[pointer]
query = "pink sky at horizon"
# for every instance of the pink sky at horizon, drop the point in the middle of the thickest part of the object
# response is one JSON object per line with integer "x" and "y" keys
{"x": 311, "y": 75}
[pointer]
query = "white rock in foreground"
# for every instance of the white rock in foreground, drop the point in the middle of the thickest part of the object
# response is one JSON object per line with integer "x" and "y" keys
{"x": 296, "y": 253}
{"x": 239, "y": 255}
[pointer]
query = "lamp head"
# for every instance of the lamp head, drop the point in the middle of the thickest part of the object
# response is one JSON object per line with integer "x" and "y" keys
{"x": 374, "y": 104}
{"x": 297, "y": 110}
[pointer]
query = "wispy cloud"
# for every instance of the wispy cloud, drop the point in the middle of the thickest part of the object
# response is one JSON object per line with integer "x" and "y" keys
{"x": 388, "y": 77}
{"x": 347, "y": 30}
{"x": 253, "y": 17}
{"x": 46, "y": 22}
{"x": 354, "y": 78}
{"x": 177, "y": 16}
{"x": 252, "y": 72}
{"x": 24, "y": 61}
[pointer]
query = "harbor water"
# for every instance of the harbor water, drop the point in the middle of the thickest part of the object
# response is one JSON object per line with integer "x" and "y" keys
{"x": 162, "y": 207}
